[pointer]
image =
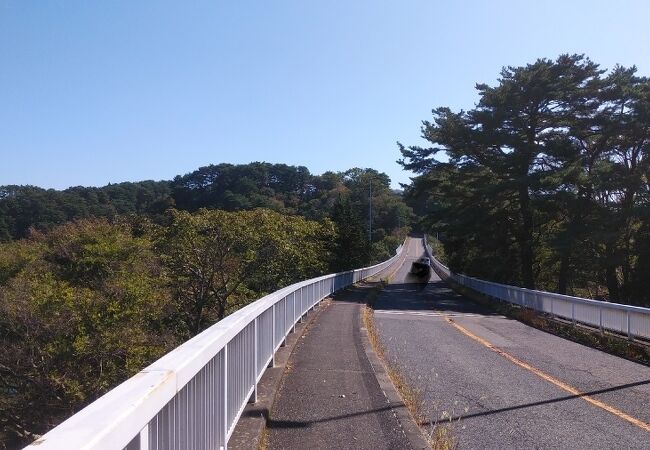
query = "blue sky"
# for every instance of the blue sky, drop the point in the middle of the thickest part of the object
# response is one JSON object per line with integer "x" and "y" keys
{"x": 93, "y": 92}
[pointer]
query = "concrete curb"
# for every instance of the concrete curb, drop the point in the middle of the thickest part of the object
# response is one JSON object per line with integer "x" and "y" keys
{"x": 399, "y": 409}
{"x": 249, "y": 433}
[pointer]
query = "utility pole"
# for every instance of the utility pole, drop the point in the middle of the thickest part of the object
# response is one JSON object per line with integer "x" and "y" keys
{"x": 370, "y": 213}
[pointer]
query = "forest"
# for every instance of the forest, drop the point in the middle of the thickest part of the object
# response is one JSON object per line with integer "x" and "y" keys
{"x": 544, "y": 183}
{"x": 96, "y": 283}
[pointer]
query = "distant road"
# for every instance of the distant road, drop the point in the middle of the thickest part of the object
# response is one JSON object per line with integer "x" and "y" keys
{"x": 512, "y": 386}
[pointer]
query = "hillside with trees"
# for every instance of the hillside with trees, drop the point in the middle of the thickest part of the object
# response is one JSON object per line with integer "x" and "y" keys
{"x": 290, "y": 190}
{"x": 544, "y": 184}
{"x": 96, "y": 283}
{"x": 23, "y": 208}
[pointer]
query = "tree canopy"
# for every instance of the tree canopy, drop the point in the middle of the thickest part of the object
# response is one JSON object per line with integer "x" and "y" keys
{"x": 547, "y": 175}
{"x": 218, "y": 261}
{"x": 81, "y": 308}
{"x": 290, "y": 190}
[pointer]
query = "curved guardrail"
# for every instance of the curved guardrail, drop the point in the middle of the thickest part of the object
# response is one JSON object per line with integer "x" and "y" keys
{"x": 192, "y": 397}
{"x": 632, "y": 321}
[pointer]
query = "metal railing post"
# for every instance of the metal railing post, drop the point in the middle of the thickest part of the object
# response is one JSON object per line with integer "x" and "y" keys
{"x": 253, "y": 398}
{"x": 272, "y": 362}
{"x": 144, "y": 438}
{"x": 629, "y": 327}
{"x": 286, "y": 313}
{"x": 600, "y": 320}
{"x": 300, "y": 311}
{"x": 293, "y": 317}
{"x": 312, "y": 296}
{"x": 573, "y": 313}
{"x": 225, "y": 398}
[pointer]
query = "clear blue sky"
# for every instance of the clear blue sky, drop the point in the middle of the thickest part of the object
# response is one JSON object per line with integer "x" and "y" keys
{"x": 93, "y": 92}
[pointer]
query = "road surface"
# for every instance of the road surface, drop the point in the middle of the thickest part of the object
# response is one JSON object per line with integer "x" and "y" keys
{"x": 502, "y": 383}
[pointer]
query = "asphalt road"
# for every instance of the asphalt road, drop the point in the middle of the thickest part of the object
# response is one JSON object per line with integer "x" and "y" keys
{"x": 509, "y": 399}
{"x": 330, "y": 397}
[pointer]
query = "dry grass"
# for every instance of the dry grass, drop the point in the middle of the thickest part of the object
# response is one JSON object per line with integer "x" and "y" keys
{"x": 412, "y": 397}
{"x": 530, "y": 317}
{"x": 443, "y": 437}
{"x": 264, "y": 440}
{"x": 442, "y": 432}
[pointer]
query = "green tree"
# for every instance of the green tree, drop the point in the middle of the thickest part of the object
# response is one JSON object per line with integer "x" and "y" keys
{"x": 548, "y": 174}
{"x": 218, "y": 261}
{"x": 351, "y": 246}
{"x": 81, "y": 309}
{"x": 505, "y": 138}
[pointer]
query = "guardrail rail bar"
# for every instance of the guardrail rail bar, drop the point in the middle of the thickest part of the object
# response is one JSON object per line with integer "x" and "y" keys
{"x": 630, "y": 321}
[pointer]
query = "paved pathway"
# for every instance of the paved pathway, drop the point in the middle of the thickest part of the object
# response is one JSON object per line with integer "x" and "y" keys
{"x": 330, "y": 397}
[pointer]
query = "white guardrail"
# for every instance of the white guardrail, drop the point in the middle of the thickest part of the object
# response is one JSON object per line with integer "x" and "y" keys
{"x": 192, "y": 397}
{"x": 632, "y": 321}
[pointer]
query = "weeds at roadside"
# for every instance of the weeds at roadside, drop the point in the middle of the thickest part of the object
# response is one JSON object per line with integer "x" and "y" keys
{"x": 442, "y": 434}
{"x": 263, "y": 443}
{"x": 412, "y": 397}
{"x": 442, "y": 437}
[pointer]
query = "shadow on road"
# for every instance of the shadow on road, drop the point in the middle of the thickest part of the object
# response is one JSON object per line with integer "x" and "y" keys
{"x": 357, "y": 293}
{"x": 544, "y": 402}
{"x": 417, "y": 295}
{"x": 271, "y": 423}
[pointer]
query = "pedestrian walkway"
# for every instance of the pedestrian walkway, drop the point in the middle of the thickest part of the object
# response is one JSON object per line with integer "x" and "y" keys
{"x": 330, "y": 396}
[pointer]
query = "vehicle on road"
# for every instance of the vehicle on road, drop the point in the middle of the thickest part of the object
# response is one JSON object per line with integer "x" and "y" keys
{"x": 421, "y": 267}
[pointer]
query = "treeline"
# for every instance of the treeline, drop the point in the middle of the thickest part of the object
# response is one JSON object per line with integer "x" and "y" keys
{"x": 544, "y": 183}
{"x": 343, "y": 197}
{"x": 23, "y": 208}
{"x": 285, "y": 189}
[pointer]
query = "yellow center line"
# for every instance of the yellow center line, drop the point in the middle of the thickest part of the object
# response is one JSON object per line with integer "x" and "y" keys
{"x": 551, "y": 379}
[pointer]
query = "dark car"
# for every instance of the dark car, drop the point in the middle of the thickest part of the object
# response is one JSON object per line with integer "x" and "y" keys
{"x": 421, "y": 267}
